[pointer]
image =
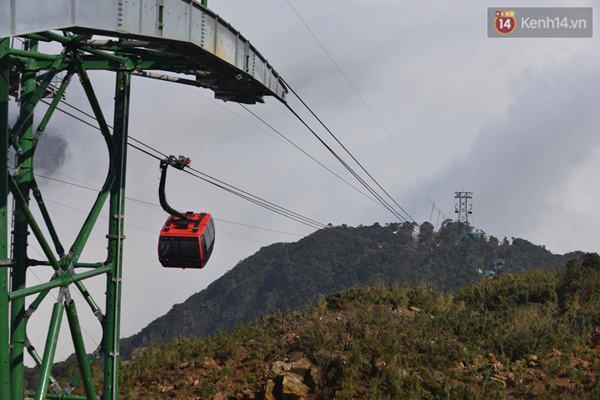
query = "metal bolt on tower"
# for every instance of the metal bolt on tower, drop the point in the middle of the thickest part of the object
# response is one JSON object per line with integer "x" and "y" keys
{"x": 463, "y": 208}
{"x": 143, "y": 39}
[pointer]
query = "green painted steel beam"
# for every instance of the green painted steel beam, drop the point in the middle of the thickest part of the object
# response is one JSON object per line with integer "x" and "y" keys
{"x": 37, "y": 194}
{"x": 38, "y": 361}
{"x": 36, "y": 302}
{"x": 20, "y": 231}
{"x": 112, "y": 324}
{"x": 82, "y": 358}
{"x": 25, "y": 118}
{"x": 52, "y": 106}
{"x": 27, "y": 215}
{"x": 35, "y": 55}
{"x": 86, "y": 229}
{"x": 4, "y": 271}
{"x": 64, "y": 280}
{"x": 77, "y": 378}
{"x": 50, "y": 350}
{"x": 33, "y": 262}
{"x": 95, "y": 104}
{"x": 88, "y": 298}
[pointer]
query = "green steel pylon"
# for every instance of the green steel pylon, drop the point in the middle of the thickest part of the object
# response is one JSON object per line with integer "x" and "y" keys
{"x": 215, "y": 55}
{"x": 68, "y": 273}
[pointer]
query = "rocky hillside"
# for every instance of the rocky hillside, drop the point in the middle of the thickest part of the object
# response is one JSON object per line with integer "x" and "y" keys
{"x": 528, "y": 336}
{"x": 291, "y": 275}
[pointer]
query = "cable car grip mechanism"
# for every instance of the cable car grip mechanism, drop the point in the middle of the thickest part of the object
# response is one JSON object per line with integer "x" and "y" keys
{"x": 177, "y": 162}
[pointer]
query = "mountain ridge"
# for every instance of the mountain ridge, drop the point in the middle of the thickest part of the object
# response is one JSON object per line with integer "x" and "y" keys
{"x": 285, "y": 276}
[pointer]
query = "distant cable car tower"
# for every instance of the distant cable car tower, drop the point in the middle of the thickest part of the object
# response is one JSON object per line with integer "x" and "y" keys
{"x": 463, "y": 208}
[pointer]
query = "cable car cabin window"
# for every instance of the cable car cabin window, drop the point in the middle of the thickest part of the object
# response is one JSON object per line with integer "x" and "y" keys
{"x": 188, "y": 250}
{"x": 204, "y": 249}
{"x": 179, "y": 252}
{"x": 210, "y": 237}
{"x": 210, "y": 228}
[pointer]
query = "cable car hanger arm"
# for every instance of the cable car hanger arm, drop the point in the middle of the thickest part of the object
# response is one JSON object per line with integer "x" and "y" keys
{"x": 179, "y": 163}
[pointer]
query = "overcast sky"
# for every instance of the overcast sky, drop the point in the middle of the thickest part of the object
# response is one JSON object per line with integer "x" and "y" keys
{"x": 433, "y": 106}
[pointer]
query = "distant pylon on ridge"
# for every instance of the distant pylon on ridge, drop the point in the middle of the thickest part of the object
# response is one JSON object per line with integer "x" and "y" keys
{"x": 463, "y": 208}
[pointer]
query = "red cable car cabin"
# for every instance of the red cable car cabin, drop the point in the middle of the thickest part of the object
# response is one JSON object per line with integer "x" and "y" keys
{"x": 186, "y": 243}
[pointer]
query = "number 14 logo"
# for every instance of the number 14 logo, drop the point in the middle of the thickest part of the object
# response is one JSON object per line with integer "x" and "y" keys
{"x": 505, "y": 21}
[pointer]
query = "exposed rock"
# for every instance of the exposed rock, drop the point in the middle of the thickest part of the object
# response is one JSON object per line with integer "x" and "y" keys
{"x": 305, "y": 368}
{"x": 293, "y": 387}
{"x": 301, "y": 367}
{"x": 314, "y": 378}
{"x": 290, "y": 381}
{"x": 137, "y": 353}
{"x": 270, "y": 390}
{"x": 219, "y": 396}
{"x": 279, "y": 367}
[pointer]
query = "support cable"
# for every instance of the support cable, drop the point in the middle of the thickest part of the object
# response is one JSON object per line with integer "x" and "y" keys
{"x": 285, "y": 139}
{"x": 381, "y": 200}
{"x": 430, "y": 241}
{"x": 252, "y": 113}
{"x": 343, "y": 147}
{"x": 362, "y": 99}
{"x": 153, "y": 205}
{"x": 245, "y": 195}
{"x": 257, "y": 200}
{"x": 349, "y": 168}
{"x": 94, "y": 118}
{"x": 311, "y": 157}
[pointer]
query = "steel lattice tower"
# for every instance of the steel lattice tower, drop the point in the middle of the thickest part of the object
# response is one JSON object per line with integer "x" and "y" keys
{"x": 463, "y": 208}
